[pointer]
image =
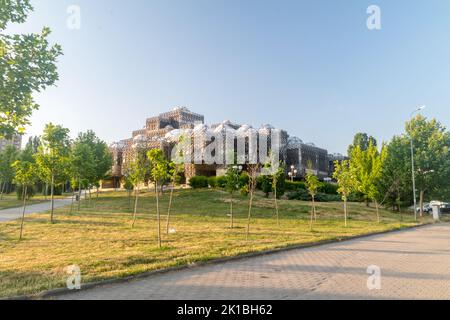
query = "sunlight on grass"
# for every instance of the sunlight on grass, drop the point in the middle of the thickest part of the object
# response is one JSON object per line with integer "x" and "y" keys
{"x": 101, "y": 241}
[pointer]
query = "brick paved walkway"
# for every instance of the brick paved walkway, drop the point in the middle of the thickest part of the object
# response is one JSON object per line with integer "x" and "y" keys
{"x": 415, "y": 264}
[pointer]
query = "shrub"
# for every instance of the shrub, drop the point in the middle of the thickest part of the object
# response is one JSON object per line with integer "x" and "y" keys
{"x": 329, "y": 188}
{"x": 198, "y": 182}
{"x": 221, "y": 182}
{"x": 212, "y": 181}
{"x": 295, "y": 186}
{"x": 303, "y": 195}
{"x": 244, "y": 179}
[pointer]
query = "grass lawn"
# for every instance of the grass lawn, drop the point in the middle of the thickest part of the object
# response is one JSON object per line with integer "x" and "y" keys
{"x": 102, "y": 243}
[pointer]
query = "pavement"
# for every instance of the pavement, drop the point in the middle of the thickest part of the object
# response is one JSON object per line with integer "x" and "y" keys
{"x": 409, "y": 264}
{"x": 16, "y": 213}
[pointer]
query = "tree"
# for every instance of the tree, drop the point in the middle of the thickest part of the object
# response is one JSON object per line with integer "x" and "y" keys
{"x": 159, "y": 172}
{"x": 362, "y": 140}
{"x": 431, "y": 143}
{"x": 53, "y": 157}
{"x": 346, "y": 182}
{"x": 25, "y": 175}
{"x": 82, "y": 165}
{"x": 27, "y": 66}
{"x": 174, "y": 173}
{"x": 253, "y": 172}
{"x": 366, "y": 166}
{"x": 232, "y": 184}
{"x": 136, "y": 172}
{"x": 278, "y": 188}
{"x": 7, "y": 157}
{"x": 312, "y": 184}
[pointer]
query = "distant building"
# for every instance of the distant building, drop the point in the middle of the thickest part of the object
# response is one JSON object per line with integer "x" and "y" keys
{"x": 16, "y": 141}
{"x": 163, "y": 131}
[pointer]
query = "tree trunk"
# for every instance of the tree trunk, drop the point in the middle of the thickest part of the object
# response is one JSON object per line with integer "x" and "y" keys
{"x": 79, "y": 194}
{"x": 96, "y": 197}
{"x": 249, "y": 214}
{"x": 71, "y": 203}
{"x": 378, "y": 210}
{"x": 52, "y": 197}
{"x": 231, "y": 211}
{"x": 312, "y": 215}
{"x": 422, "y": 195}
{"x": 314, "y": 208}
{"x": 46, "y": 191}
{"x": 90, "y": 198}
{"x": 276, "y": 206}
{"x": 136, "y": 197}
{"x": 169, "y": 208}
{"x": 158, "y": 215}
{"x": 345, "y": 212}
{"x": 2, "y": 186}
{"x": 23, "y": 212}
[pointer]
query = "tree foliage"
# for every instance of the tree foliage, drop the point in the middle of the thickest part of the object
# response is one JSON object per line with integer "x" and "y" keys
{"x": 27, "y": 65}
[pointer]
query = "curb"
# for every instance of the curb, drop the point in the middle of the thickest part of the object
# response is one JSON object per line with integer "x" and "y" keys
{"x": 62, "y": 291}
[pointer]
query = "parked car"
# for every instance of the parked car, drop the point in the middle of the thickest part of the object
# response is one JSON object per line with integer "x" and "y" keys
{"x": 445, "y": 209}
{"x": 427, "y": 208}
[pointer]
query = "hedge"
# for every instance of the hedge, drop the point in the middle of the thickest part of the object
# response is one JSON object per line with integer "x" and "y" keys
{"x": 198, "y": 182}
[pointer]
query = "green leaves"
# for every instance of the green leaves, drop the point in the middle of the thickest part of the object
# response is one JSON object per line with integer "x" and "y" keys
{"x": 27, "y": 65}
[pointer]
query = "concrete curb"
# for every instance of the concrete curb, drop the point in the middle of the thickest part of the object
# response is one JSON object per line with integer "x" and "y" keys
{"x": 62, "y": 291}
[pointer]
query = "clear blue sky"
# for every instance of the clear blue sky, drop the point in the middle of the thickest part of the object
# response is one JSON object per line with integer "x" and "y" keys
{"x": 311, "y": 67}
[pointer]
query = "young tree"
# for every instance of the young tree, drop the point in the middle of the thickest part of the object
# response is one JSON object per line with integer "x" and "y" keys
{"x": 159, "y": 172}
{"x": 366, "y": 166}
{"x": 53, "y": 157}
{"x": 25, "y": 175}
{"x": 253, "y": 172}
{"x": 278, "y": 188}
{"x": 82, "y": 165}
{"x": 174, "y": 173}
{"x": 27, "y": 66}
{"x": 361, "y": 140}
{"x": 136, "y": 171}
{"x": 312, "y": 184}
{"x": 346, "y": 182}
{"x": 232, "y": 178}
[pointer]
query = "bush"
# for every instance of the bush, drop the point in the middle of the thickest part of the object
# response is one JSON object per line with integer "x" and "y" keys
{"x": 295, "y": 186}
{"x": 303, "y": 195}
{"x": 221, "y": 182}
{"x": 244, "y": 179}
{"x": 328, "y": 188}
{"x": 198, "y": 182}
{"x": 212, "y": 182}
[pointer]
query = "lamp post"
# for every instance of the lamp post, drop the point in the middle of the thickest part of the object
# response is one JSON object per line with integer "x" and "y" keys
{"x": 292, "y": 173}
{"x": 412, "y": 161}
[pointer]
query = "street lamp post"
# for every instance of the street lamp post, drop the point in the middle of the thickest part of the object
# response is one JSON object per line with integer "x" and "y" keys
{"x": 412, "y": 162}
{"x": 292, "y": 173}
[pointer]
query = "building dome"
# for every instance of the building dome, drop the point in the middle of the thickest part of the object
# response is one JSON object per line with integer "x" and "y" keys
{"x": 294, "y": 142}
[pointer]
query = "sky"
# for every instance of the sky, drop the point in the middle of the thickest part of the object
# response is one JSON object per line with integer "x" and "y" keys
{"x": 310, "y": 67}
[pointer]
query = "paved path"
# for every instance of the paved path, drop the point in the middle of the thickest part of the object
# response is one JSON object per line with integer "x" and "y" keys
{"x": 415, "y": 264}
{"x": 16, "y": 213}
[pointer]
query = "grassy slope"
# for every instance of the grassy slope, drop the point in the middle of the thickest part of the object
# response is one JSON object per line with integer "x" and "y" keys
{"x": 101, "y": 241}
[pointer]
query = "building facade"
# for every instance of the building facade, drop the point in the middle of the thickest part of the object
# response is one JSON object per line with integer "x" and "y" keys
{"x": 16, "y": 141}
{"x": 164, "y": 131}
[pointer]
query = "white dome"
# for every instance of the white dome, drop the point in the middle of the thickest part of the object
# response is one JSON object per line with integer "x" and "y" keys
{"x": 201, "y": 128}
{"x": 224, "y": 128}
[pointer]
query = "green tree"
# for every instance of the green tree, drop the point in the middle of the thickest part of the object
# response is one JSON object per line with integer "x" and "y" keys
{"x": 137, "y": 170}
{"x": 232, "y": 184}
{"x": 159, "y": 173}
{"x": 346, "y": 182}
{"x": 25, "y": 175}
{"x": 366, "y": 166}
{"x": 431, "y": 143}
{"x": 53, "y": 158}
{"x": 7, "y": 157}
{"x": 27, "y": 66}
{"x": 362, "y": 140}
{"x": 174, "y": 173}
{"x": 312, "y": 184}
{"x": 82, "y": 165}
{"x": 253, "y": 171}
